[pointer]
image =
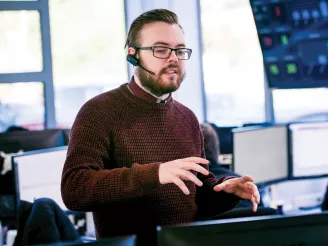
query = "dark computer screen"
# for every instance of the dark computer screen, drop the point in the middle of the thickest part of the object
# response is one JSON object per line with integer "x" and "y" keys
{"x": 11, "y": 142}
{"x": 276, "y": 230}
{"x": 293, "y": 36}
{"x": 309, "y": 155}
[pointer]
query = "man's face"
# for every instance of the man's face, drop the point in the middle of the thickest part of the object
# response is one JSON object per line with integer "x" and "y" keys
{"x": 169, "y": 72}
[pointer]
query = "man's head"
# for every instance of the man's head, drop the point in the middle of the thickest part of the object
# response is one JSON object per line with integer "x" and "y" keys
{"x": 149, "y": 37}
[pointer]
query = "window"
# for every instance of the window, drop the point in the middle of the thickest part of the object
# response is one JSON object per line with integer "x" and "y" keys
{"x": 19, "y": 0}
{"x": 22, "y": 104}
{"x": 20, "y": 42}
{"x": 301, "y": 105}
{"x": 232, "y": 62}
{"x": 87, "y": 51}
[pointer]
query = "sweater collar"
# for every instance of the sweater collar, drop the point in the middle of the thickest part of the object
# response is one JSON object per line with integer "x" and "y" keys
{"x": 140, "y": 93}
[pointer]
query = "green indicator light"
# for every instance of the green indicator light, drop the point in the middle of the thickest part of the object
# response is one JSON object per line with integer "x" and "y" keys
{"x": 291, "y": 68}
{"x": 284, "y": 39}
{"x": 274, "y": 69}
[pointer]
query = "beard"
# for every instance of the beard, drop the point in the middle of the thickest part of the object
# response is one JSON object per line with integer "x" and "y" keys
{"x": 158, "y": 85}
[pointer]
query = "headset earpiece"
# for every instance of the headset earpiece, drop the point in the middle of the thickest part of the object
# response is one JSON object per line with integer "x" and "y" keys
{"x": 133, "y": 60}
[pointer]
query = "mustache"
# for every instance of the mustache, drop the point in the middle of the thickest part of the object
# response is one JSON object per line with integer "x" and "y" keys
{"x": 171, "y": 66}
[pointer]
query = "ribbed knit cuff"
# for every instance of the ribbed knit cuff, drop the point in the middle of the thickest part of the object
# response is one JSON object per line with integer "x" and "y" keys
{"x": 147, "y": 176}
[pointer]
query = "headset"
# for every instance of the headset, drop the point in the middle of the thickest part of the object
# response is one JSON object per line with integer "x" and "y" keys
{"x": 132, "y": 59}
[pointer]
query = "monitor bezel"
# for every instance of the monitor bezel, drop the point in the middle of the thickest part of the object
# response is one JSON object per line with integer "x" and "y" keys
{"x": 291, "y": 156}
{"x": 256, "y": 128}
{"x": 15, "y": 170}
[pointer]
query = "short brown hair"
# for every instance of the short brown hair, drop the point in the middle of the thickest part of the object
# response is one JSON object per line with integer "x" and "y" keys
{"x": 211, "y": 142}
{"x": 152, "y": 16}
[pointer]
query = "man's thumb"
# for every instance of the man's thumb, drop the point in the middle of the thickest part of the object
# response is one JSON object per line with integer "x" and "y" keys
{"x": 218, "y": 187}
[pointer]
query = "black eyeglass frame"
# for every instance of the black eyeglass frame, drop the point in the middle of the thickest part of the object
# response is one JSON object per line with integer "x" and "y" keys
{"x": 172, "y": 49}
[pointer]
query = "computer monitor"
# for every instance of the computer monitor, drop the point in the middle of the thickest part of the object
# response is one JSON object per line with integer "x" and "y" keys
{"x": 11, "y": 142}
{"x": 38, "y": 174}
{"x": 261, "y": 152}
{"x": 293, "y": 38}
{"x": 309, "y": 153}
{"x": 275, "y": 230}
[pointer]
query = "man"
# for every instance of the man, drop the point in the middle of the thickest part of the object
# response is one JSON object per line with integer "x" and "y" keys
{"x": 136, "y": 155}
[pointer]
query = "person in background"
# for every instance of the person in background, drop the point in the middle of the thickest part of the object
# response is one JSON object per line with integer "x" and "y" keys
{"x": 135, "y": 156}
{"x": 212, "y": 152}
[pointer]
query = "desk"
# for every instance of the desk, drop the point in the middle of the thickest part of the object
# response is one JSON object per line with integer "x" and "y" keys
{"x": 303, "y": 212}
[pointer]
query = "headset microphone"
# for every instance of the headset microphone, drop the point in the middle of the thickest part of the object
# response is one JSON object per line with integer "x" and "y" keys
{"x": 135, "y": 62}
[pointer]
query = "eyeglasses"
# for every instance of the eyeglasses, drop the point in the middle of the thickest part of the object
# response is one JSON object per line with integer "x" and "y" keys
{"x": 163, "y": 52}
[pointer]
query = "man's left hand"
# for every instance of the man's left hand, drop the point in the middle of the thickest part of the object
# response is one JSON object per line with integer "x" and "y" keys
{"x": 242, "y": 187}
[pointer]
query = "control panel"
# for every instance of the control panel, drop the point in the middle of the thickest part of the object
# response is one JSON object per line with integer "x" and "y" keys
{"x": 293, "y": 35}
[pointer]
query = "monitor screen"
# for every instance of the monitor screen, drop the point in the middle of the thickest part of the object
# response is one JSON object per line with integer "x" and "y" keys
{"x": 275, "y": 230}
{"x": 293, "y": 37}
{"x": 261, "y": 152}
{"x": 12, "y": 142}
{"x": 38, "y": 174}
{"x": 309, "y": 143}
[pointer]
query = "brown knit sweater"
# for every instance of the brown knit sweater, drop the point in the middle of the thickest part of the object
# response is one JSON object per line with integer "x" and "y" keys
{"x": 117, "y": 143}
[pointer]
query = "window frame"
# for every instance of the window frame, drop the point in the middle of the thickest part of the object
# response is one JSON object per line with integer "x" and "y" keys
{"x": 45, "y": 76}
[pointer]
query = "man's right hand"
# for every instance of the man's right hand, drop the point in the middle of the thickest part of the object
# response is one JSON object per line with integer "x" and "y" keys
{"x": 178, "y": 170}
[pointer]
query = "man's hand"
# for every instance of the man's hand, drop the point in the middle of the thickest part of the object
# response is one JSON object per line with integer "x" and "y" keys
{"x": 242, "y": 187}
{"x": 178, "y": 170}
